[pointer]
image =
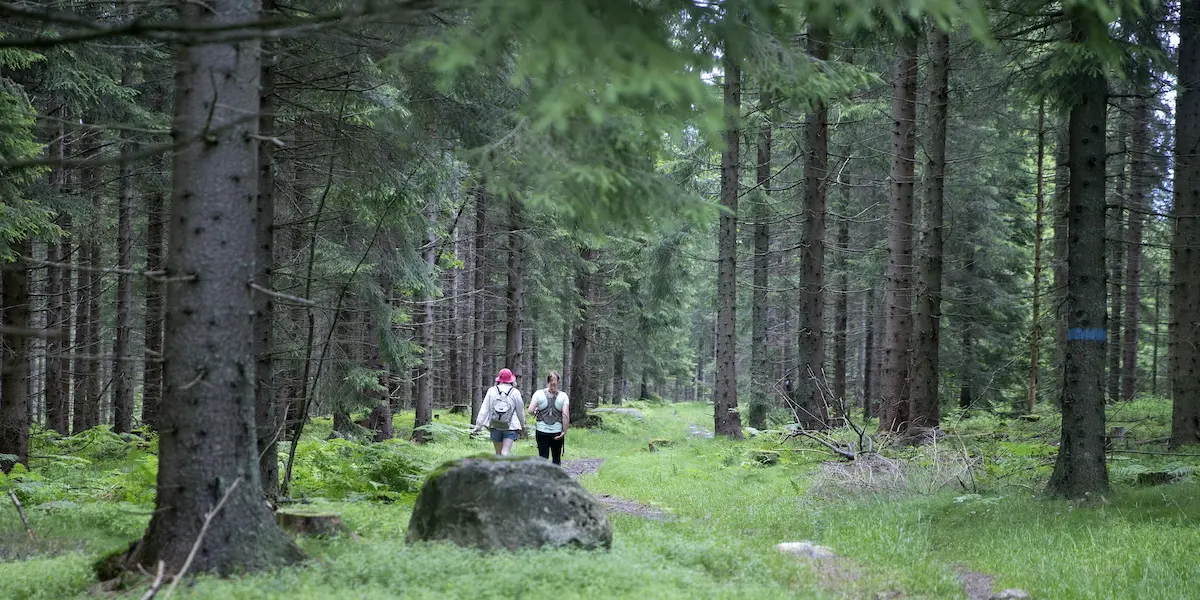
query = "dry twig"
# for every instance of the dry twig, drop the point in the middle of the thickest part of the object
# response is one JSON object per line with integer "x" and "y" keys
{"x": 200, "y": 538}
{"x": 21, "y": 512}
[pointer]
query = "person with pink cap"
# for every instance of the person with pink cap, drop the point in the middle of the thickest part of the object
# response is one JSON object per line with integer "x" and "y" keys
{"x": 501, "y": 412}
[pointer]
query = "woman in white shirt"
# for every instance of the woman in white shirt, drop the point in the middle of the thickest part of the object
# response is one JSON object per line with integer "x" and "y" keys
{"x": 501, "y": 412}
{"x": 553, "y": 411}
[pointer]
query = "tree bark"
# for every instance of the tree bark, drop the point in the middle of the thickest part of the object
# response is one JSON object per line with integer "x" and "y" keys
{"x": 1116, "y": 234}
{"x": 1035, "y": 336}
{"x": 841, "y": 314}
{"x": 478, "y": 318}
{"x": 726, "y": 420}
{"x": 1062, "y": 197}
{"x": 1139, "y": 183}
{"x": 810, "y": 378}
{"x": 897, "y": 293}
{"x": 515, "y": 293}
{"x": 123, "y": 376}
{"x": 618, "y": 394}
{"x": 208, "y": 455}
{"x": 152, "y": 370}
{"x": 14, "y": 357}
{"x": 83, "y": 406}
{"x": 582, "y": 391}
{"x": 266, "y": 406}
{"x": 925, "y": 409}
{"x": 1184, "y": 327}
{"x": 424, "y": 395}
{"x": 1080, "y": 469}
{"x": 870, "y": 362}
{"x": 58, "y": 365}
{"x": 760, "y": 377}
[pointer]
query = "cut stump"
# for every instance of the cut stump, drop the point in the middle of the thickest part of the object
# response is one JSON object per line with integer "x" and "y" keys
{"x": 310, "y": 523}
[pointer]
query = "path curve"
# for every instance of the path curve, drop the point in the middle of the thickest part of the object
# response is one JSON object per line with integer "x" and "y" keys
{"x": 586, "y": 466}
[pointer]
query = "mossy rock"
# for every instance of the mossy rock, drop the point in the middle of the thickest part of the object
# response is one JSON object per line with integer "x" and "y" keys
{"x": 656, "y": 444}
{"x": 485, "y": 502}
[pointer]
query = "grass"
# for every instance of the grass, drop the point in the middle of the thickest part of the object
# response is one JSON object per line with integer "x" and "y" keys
{"x": 728, "y": 514}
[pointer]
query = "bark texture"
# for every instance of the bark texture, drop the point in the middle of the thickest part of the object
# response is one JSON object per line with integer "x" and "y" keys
{"x": 14, "y": 357}
{"x": 726, "y": 420}
{"x": 1184, "y": 327}
{"x": 925, "y": 410}
{"x": 760, "y": 374}
{"x": 208, "y": 454}
{"x": 1080, "y": 468}
{"x": 897, "y": 292}
{"x": 811, "y": 384}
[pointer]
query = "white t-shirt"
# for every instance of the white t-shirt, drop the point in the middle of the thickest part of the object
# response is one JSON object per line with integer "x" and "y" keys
{"x": 562, "y": 403}
{"x": 517, "y": 421}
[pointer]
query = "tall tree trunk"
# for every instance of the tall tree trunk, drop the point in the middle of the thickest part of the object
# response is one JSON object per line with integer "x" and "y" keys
{"x": 1139, "y": 183}
{"x": 207, "y": 450}
{"x": 376, "y": 319}
{"x": 152, "y": 370}
{"x": 478, "y": 318}
{"x": 618, "y": 394}
{"x": 94, "y": 346}
{"x": 870, "y": 362}
{"x": 424, "y": 395}
{"x": 810, "y": 379}
{"x": 760, "y": 376}
{"x": 726, "y": 420}
{"x": 925, "y": 409}
{"x": 1062, "y": 197}
{"x": 841, "y": 315}
{"x": 58, "y": 365}
{"x": 967, "y": 372}
{"x": 897, "y": 293}
{"x": 1184, "y": 328}
{"x": 1035, "y": 337}
{"x": 14, "y": 358}
{"x": 515, "y": 293}
{"x": 266, "y": 407}
{"x": 1080, "y": 469}
{"x": 1157, "y": 320}
{"x": 86, "y": 406}
{"x": 581, "y": 390}
{"x": 1116, "y": 233}
{"x": 123, "y": 376}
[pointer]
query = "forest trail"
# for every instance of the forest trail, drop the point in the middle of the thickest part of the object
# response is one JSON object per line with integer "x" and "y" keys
{"x": 585, "y": 466}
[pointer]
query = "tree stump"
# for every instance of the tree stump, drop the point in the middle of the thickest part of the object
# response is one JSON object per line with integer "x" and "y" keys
{"x": 310, "y": 523}
{"x": 460, "y": 409}
{"x": 655, "y": 444}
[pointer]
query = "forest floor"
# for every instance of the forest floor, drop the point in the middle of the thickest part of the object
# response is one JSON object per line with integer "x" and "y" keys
{"x": 692, "y": 517}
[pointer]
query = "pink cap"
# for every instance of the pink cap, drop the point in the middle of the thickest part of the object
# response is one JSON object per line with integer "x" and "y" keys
{"x": 505, "y": 376}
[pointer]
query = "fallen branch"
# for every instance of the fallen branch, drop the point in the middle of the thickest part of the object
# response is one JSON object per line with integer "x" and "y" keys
{"x": 158, "y": 581}
{"x": 847, "y": 454}
{"x": 1155, "y": 453}
{"x": 200, "y": 538}
{"x": 21, "y": 512}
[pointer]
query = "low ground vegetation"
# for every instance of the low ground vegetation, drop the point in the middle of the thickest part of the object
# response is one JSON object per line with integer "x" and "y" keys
{"x": 905, "y": 522}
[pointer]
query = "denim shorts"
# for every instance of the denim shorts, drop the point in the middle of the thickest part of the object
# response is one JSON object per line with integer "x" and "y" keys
{"x": 500, "y": 435}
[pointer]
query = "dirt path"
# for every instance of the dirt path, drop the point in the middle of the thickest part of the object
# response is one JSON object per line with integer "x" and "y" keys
{"x": 977, "y": 585}
{"x": 586, "y": 466}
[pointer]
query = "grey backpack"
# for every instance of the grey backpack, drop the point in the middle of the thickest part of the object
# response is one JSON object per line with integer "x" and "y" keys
{"x": 551, "y": 414}
{"x": 503, "y": 409}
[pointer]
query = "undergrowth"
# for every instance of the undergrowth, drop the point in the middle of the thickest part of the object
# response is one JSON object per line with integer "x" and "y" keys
{"x": 902, "y": 520}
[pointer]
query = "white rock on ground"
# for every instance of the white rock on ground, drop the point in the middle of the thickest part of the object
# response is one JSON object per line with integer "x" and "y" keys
{"x": 806, "y": 549}
{"x": 1010, "y": 594}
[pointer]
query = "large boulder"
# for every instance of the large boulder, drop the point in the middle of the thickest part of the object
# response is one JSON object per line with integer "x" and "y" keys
{"x": 507, "y": 503}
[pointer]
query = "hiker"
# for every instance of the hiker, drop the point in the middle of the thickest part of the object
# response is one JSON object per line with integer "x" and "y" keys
{"x": 501, "y": 413}
{"x": 553, "y": 411}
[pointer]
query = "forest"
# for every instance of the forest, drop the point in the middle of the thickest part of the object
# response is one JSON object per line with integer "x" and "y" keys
{"x": 913, "y": 284}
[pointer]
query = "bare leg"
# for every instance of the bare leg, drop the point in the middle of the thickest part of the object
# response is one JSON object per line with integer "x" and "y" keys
{"x": 507, "y": 447}
{"x": 500, "y": 451}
